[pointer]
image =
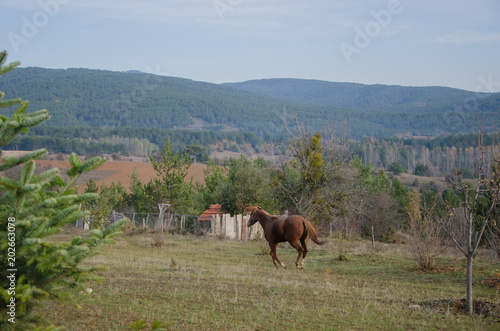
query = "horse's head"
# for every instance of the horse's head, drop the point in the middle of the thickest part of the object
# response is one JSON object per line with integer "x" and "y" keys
{"x": 253, "y": 217}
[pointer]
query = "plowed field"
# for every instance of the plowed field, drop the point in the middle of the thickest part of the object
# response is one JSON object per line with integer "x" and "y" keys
{"x": 113, "y": 171}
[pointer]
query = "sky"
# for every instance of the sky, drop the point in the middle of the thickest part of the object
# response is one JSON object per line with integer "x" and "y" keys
{"x": 454, "y": 43}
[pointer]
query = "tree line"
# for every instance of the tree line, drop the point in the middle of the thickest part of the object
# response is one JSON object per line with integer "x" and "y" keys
{"x": 439, "y": 157}
{"x": 136, "y": 141}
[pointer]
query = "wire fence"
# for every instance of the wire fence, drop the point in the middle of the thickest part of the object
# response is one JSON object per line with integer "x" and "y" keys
{"x": 153, "y": 221}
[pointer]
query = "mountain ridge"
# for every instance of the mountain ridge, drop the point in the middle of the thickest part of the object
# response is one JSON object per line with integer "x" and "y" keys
{"x": 79, "y": 97}
{"x": 359, "y": 96}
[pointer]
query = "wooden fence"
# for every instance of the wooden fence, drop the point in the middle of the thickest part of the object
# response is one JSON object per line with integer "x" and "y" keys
{"x": 234, "y": 227}
{"x": 225, "y": 226}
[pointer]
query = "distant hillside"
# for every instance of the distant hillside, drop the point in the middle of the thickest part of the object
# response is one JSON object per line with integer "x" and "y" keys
{"x": 83, "y": 97}
{"x": 359, "y": 96}
{"x": 106, "y": 99}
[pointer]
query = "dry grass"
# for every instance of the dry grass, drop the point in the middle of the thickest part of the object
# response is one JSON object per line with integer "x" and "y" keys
{"x": 201, "y": 283}
{"x": 408, "y": 179}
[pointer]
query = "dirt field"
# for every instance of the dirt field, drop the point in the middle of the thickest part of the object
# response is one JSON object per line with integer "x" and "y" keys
{"x": 113, "y": 171}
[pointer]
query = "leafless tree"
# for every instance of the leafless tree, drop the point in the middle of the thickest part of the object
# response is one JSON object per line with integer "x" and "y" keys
{"x": 465, "y": 223}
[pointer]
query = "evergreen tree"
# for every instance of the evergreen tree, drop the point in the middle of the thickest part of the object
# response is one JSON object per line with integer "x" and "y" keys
{"x": 109, "y": 198}
{"x": 247, "y": 184}
{"x": 374, "y": 182}
{"x": 19, "y": 122}
{"x": 215, "y": 181}
{"x": 170, "y": 186}
{"x": 33, "y": 207}
{"x": 396, "y": 168}
{"x": 137, "y": 198}
{"x": 422, "y": 170}
{"x": 91, "y": 186}
{"x": 197, "y": 152}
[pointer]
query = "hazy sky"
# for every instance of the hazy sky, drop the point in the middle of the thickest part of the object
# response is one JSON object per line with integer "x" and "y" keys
{"x": 452, "y": 43}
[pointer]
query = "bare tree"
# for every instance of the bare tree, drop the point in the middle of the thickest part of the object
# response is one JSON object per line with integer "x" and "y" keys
{"x": 465, "y": 222}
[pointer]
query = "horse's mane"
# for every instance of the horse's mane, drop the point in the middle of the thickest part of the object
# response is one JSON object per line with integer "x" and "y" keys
{"x": 251, "y": 209}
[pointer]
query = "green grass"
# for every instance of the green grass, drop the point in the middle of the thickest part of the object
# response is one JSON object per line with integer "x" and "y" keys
{"x": 201, "y": 283}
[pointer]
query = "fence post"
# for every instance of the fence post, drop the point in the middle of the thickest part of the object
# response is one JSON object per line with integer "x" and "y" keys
{"x": 223, "y": 225}
{"x": 217, "y": 225}
{"x": 212, "y": 224}
{"x": 230, "y": 233}
{"x": 238, "y": 226}
{"x": 244, "y": 228}
{"x": 373, "y": 239}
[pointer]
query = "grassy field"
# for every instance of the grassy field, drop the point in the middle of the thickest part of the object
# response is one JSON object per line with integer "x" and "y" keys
{"x": 201, "y": 283}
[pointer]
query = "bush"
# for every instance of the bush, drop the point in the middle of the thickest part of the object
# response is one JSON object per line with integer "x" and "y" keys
{"x": 426, "y": 239}
{"x": 116, "y": 156}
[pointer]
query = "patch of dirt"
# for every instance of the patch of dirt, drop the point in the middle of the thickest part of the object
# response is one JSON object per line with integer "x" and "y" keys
{"x": 458, "y": 306}
{"x": 451, "y": 270}
{"x": 491, "y": 282}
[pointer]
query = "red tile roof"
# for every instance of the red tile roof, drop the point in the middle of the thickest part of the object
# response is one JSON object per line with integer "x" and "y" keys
{"x": 207, "y": 214}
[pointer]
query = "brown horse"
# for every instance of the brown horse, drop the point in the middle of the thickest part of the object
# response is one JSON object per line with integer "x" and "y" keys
{"x": 291, "y": 228}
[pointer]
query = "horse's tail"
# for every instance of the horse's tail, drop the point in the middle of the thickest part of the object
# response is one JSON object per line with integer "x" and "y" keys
{"x": 312, "y": 233}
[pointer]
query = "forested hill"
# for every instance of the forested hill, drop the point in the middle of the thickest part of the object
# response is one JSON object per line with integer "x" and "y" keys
{"x": 359, "y": 96}
{"x": 84, "y": 97}
{"x": 98, "y": 98}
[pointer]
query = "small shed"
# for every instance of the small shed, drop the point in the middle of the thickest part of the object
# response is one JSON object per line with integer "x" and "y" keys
{"x": 213, "y": 210}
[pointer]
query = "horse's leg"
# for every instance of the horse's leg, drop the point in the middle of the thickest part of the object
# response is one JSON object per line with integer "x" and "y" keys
{"x": 300, "y": 251}
{"x": 304, "y": 247}
{"x": 276, "y": 261}
{"x": 272, "y": 246}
